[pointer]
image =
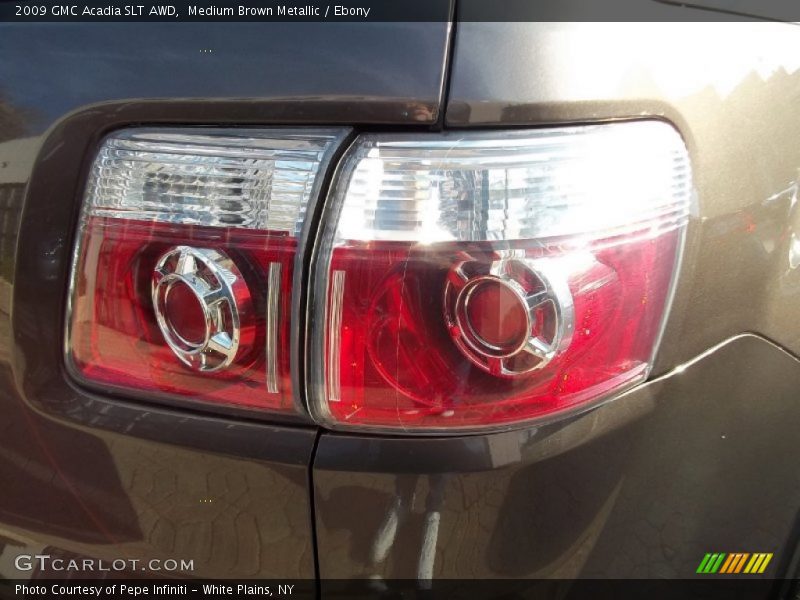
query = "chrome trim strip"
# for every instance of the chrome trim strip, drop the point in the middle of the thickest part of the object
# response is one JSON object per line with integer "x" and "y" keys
{"x": 335, "y": 338}
{"x": 273, "y": 319}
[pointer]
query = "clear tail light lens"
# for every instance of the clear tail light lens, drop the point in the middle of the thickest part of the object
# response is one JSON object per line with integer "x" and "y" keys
{"x": 182, "y": 276}
{"x": 478, "y": 280}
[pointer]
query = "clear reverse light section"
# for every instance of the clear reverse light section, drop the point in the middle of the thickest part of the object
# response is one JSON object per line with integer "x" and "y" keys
{"x": 251, "y": 179}
{"x": 521, "y": 185}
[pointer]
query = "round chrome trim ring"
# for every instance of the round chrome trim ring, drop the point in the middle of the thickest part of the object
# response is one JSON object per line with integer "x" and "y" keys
{"x": 222, "y": 295}
{"x": 552, "y": 293}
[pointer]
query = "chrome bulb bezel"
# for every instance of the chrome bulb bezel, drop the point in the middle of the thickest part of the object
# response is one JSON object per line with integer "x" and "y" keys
{"x": 538, "y": 286}
{"x": 223, "y": 297}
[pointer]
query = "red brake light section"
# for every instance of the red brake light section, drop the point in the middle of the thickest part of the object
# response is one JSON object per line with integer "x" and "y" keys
{"x": 399, "y": 359}
{"x": 116, "y": 338}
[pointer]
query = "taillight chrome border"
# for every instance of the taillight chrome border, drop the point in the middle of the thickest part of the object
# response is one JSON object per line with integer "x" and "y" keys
{"x": 318, "y": 284}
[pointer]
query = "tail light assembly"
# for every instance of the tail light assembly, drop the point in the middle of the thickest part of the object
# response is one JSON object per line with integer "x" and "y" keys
{"x": 468, "y": 281}
{"x": 459, "y": 281}
{"x": 183, "y": 273}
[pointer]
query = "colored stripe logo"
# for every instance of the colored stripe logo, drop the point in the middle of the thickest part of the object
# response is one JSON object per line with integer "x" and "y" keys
{"x": 734, "y": 563}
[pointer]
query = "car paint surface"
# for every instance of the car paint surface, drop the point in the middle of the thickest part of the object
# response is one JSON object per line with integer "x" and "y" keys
{"x": 699, "y": 459}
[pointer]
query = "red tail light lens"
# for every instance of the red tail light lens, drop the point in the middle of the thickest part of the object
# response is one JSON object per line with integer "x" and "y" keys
{"x": 182, "y": 280}
{"x": 465, "y": 281}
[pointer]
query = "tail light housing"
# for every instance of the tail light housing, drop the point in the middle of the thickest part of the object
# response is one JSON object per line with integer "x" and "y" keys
{"x": 464, "y": 281}
{"x": 182, "y": 279}
{"x": 459, "y": 281}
